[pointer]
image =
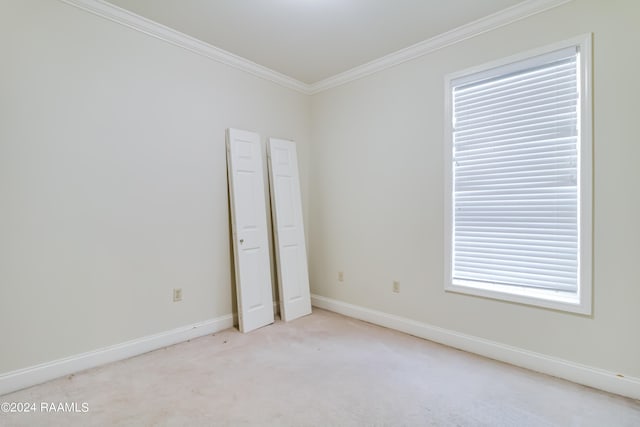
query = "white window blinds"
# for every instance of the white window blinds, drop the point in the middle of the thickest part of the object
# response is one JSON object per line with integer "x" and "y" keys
{"x": 515, "y": 174}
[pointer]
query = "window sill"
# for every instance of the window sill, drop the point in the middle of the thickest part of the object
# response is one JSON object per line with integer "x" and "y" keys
{"x": 557, "y": 300}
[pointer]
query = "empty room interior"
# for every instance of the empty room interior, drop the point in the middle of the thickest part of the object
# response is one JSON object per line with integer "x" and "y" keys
{"x": 319, "y": 212}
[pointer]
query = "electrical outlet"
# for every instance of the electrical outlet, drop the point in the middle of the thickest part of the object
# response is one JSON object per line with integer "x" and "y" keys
{"x": 340, "y": 276}
{"x": 396, "y": 286}
{"x": 177, "y": 294}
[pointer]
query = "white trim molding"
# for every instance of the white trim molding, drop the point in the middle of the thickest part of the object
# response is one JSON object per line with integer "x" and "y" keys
{"x": 27, "y": 377}
{"x": 464, "y": 32}
{"x": 131, "y": 20}
{"x": 582, "y": 374}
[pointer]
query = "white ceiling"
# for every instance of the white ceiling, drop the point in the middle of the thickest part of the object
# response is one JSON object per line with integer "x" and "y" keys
{"x": 311, "y": 40}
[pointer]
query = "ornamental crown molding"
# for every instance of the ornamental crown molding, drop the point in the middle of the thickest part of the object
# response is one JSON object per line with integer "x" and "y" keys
{"x": 129, "y": 19}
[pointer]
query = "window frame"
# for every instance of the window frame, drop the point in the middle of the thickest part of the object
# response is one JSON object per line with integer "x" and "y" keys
{"x": 575, "y": 302}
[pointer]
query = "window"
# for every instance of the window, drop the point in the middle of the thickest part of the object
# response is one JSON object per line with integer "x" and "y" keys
{"x": 518, "y": 179}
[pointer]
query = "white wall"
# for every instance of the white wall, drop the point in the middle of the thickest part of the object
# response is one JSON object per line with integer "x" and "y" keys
{"x": 377, "y": 185}
{"x": 113, "y": 183}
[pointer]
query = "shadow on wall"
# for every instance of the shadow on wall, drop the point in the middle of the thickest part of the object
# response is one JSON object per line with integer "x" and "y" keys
{"x": 232, "y": 264}
{"x": 272, "y": 251}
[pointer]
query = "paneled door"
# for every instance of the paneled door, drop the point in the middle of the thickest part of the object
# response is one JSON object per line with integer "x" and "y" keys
{"x": 249, "y": 230}
{"x": 291, "y": 252}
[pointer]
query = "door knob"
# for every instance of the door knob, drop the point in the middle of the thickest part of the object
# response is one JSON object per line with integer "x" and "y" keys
{"x": 241, "y": 241}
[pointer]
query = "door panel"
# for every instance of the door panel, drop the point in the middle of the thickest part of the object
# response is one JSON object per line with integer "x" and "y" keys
{"x": 249, "y": 223}
{"x": 291, "y": 271}
{"x": 291, "y": 252}
{"x": 245, "y": 195}
{"x": 284, "y": 201}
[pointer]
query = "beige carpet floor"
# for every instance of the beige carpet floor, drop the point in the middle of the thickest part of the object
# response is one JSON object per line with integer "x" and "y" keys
{"x": 321, "y": 370}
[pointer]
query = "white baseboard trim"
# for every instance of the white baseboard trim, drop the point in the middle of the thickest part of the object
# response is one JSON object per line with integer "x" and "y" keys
{"x": 27, "y": 377}
{"x": 575, "y": 372}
